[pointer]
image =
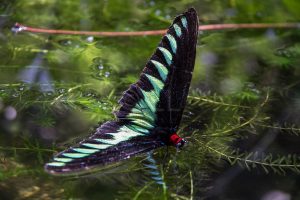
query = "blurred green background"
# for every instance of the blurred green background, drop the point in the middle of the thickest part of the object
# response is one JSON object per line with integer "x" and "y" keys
{"x": 241, "y": 120}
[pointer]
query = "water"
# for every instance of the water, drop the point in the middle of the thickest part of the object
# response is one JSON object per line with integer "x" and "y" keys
{"x": 241, "y": 120}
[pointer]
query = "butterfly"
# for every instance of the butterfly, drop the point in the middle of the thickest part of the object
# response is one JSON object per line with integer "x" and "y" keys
{"x": 150, "y": 110}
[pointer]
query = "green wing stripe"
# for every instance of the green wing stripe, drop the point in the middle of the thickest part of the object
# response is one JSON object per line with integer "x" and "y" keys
{"x": 162, "y": 70}
{"x": 147, "y": 115}
{"x": 156, "y": 83}
{"x": 56, "y": 164}
{"x": 138, "y": 129}
{"x": 63, "y": 159}
{"x": 133, "y": 116}
{"x": 75, "y": 155}
{"x": 141, "y": 105}
{"x": 147, "y": 122}
{"x": 124, "y": 133}
{"x": 134, "y": 110}
{"x": 150, "y": 100}
{"x": 184, "y": 22}
{"x": 83, "y": 150}
{"x": 106, "y": 141}
{"x": 96, "y": 146}
{"x": 167, "y": 55}
{"x": 177, "y": 30}
{"x": 172, "y": 42}
{"x": 143, "y": 123}
{"x": 142, "y": 115}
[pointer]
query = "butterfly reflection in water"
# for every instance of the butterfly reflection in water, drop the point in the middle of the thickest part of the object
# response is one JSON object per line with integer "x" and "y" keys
{"x": 150, "y": 110}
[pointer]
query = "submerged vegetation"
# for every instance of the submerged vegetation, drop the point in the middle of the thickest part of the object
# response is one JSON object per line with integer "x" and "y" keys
{"x": 242, "y": 110}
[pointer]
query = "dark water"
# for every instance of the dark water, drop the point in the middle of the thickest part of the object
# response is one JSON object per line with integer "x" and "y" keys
{"x": 241, "y": 120}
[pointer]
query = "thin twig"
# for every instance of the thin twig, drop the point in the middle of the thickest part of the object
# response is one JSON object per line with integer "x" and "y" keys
{"x": 142, "y": 190}
{"x": 279, "y": 127}
{"x": 204, "y": 99}
{"x": 164, "y": 186}
{"x": 252, "y": 119}
{"x": 25, "y": 149}
{"x": 247, "y": 160}
{"x": 20, "y": 27}
{"x": 192, "y": 186}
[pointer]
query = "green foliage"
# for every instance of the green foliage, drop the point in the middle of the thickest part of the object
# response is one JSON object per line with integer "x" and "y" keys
{"x": 24, "y": 96}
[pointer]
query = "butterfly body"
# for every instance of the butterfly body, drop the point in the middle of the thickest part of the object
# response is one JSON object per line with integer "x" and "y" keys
{"x": 150, "y": 110}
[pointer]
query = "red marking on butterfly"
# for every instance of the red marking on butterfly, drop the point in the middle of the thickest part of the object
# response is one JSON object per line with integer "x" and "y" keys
{"x": 175, "y": 139}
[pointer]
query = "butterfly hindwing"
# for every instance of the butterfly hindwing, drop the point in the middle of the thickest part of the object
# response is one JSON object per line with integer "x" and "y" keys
{"x": 111, "y": 143}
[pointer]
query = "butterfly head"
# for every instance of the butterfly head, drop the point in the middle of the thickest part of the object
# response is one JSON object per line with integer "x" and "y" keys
{"x": 181, "y": 143}
{"x": 177, "y": 141}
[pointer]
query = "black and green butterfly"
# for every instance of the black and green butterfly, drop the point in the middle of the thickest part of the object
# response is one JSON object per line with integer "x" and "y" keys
{"x": 150, "y": 111}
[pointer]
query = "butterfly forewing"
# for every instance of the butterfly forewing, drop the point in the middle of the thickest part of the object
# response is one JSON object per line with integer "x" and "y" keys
{"x": 155, "y": 102}
{"x": 158, "y": 98}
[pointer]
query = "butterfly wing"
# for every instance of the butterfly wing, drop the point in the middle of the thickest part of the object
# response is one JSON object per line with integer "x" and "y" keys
{"x": 112, "y": 142}
{"x": 156, "y": 101}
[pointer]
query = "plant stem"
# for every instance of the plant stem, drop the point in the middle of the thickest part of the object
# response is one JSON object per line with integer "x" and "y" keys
{"x": 19, "y": 28}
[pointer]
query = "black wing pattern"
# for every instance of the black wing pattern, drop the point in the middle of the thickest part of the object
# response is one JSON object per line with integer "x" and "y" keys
{"x": 157, "y": 100}
{"x": 150, "y": 109}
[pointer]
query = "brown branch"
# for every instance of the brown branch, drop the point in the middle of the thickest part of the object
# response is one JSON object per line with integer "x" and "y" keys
{"x": 19, "y": 28}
